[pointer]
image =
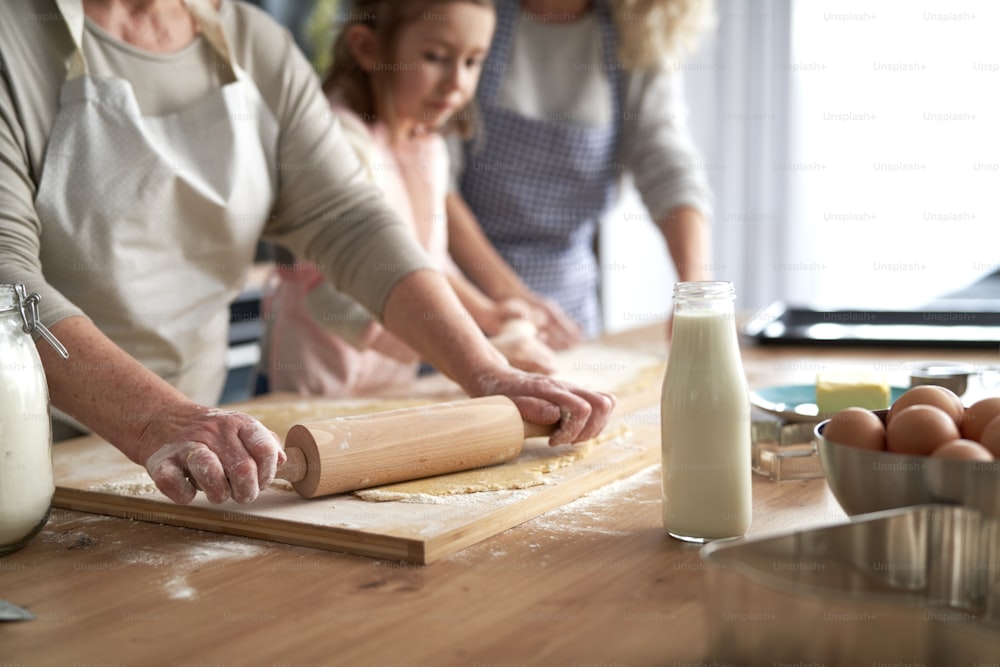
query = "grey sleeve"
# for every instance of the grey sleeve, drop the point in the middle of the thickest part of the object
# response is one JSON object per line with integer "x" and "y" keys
{"x": 341, "y": 315}
{"x": 657, "y": 145}
{"x": 20, "y": 227}
{"x": 328, "y": 211}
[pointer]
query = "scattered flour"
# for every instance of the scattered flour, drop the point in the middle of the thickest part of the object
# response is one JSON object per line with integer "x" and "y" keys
{"x": 71, "y": 539}
{"x": 180, "y": 560}
{"x": 178, "y": 589}
{"x": 501, "y": 496}
{"x": 81, "y": 517}
{"x": 580, "y": 515}
{"x": 144, "y": 557}
{"x": 190, "y": 556}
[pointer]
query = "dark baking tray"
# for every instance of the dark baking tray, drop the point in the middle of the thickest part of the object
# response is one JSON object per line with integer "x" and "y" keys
{"x": 784, "y": 324}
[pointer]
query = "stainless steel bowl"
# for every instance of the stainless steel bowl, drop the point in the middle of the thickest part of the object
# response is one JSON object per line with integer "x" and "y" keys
{"x": 864, "y": 481}
{"x": 950, "y": 375}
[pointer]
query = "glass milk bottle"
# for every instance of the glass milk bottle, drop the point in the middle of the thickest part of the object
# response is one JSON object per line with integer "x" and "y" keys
{"x": 705, "y": 418}
{"x": 26, "y": 481}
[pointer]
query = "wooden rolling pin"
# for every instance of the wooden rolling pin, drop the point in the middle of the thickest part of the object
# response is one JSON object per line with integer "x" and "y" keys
{"x": 350, "y": 453}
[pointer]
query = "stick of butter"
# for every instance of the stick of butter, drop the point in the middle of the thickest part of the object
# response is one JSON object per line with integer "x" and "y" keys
{"x": 837, "y": 391}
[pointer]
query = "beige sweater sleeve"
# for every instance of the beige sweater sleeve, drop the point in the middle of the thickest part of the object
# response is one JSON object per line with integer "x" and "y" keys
{"x": 30, "y": 64}
{"x": 326, "y": 211}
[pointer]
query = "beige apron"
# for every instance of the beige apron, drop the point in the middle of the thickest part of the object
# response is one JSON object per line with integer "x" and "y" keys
{"x": 164, "y": 212}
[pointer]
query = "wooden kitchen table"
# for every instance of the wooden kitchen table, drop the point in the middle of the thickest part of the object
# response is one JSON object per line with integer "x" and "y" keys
{"x": 595, "y": 582}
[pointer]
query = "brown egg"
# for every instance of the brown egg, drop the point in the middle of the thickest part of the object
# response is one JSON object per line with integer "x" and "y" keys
{"x": 962, "y": 450}
{"x": 856, "y": 427}
{"x": 978, "y": 415}
{"x": 929, "y": 394}
{"x": 990, "y": 437}
{"x": 919, "y": 430}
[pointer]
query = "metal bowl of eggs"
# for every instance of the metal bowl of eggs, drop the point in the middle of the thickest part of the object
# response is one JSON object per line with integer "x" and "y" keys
{"x": 926, "y": 448}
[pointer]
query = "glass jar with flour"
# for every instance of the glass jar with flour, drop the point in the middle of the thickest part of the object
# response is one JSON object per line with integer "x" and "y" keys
{"x": 705, "y": 418}
{"x": 26, "y": 482}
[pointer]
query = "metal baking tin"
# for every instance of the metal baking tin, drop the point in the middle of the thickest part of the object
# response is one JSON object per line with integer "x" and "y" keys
{"x": 919, "y": 585}
{"x": 782, "y": 451}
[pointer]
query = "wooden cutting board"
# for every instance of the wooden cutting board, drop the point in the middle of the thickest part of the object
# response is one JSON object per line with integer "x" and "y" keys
{"x": 93, "y": 476}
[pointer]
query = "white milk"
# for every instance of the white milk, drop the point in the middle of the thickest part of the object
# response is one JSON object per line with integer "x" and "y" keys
{"x": 705, "y": 420}
{"x": 26, "y": 482}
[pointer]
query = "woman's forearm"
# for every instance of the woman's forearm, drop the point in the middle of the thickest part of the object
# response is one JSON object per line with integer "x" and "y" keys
{"x": 103, "y": 387}
{"x": 425, "y": 312}
{"x": 476, "y": 256}
{"x": 482, "y": 309}
{"x": 688, "y": 240}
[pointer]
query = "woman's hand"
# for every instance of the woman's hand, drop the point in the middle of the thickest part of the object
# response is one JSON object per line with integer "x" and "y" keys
{"x": 183, "y": 445}
{"x": 225, "y": 454}
{"x": 427, "y": 315}
{"x": 581, "y": 414}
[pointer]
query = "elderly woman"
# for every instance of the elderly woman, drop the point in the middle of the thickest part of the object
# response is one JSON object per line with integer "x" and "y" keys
{"x": 147, "y": 145}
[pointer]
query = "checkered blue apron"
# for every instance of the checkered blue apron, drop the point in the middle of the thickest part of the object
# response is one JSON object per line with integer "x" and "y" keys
{"x": 539, "y": 186}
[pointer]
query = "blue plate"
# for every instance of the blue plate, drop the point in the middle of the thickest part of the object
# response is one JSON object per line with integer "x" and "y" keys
{"x": 797, "y": 402}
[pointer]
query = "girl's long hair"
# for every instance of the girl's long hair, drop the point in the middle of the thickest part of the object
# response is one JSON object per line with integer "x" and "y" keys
{"x": 387, "y": 19}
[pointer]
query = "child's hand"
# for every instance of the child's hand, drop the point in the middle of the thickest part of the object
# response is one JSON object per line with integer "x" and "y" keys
{"x": 555, "y": 327}
{"x": 519, "y": 342}
{"x": 514, "y": 308}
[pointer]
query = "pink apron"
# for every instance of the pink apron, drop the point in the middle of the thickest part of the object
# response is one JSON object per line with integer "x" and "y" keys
{"x": 318, "y": 340}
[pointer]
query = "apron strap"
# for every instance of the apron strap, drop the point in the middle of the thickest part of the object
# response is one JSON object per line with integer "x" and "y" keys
{"x": 205, "y": 15}
{"x": 72, "y": 12}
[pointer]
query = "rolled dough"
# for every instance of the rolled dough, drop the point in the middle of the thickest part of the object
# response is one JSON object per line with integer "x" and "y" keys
{"x": 536, "y": 461}
{"x": 618, "y": 371}
{"x": 622, "y": 372}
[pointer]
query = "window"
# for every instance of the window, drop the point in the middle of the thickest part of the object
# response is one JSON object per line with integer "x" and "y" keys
{"x": 896, "y": 149}
{"x": 854, "y": 151}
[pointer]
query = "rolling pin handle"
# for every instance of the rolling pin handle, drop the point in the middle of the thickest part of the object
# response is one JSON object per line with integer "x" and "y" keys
{"x": 295, "y": 467}
{"x": 532, "y": 430}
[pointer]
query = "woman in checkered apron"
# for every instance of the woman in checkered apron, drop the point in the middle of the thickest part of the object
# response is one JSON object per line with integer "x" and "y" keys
{"x": 573, "y": 95}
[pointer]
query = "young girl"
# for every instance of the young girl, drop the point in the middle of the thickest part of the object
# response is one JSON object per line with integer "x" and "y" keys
{"x": 403, "y": 73}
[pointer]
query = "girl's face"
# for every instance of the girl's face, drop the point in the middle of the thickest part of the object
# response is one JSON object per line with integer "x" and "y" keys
{"x": 439, "y": 58}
